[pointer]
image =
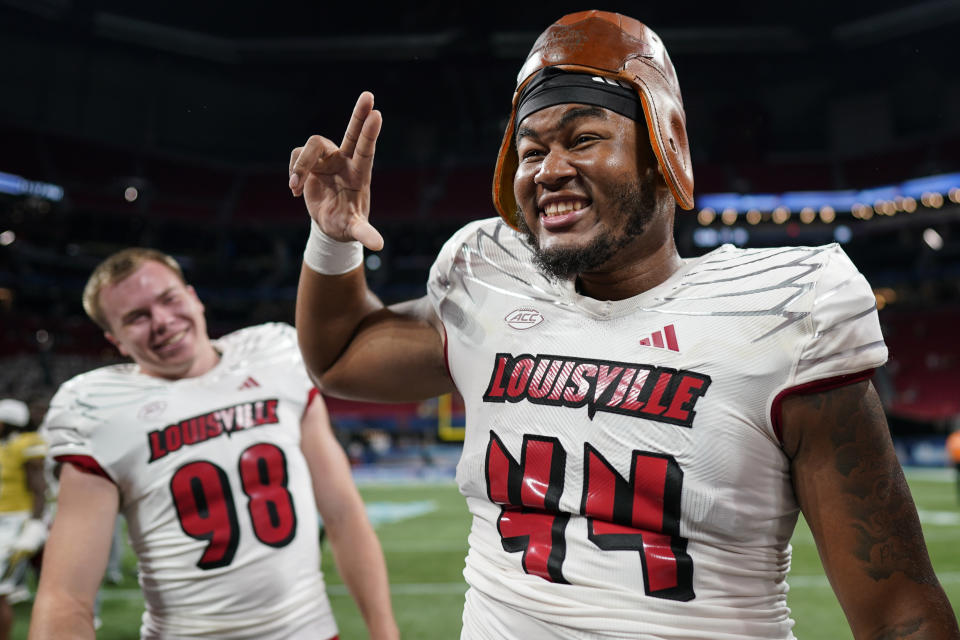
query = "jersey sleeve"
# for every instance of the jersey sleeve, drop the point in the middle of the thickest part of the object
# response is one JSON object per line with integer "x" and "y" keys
{"x": 845, "y": 337}
{"x": 67, "y": 429}
{"x": 843, "y": 343}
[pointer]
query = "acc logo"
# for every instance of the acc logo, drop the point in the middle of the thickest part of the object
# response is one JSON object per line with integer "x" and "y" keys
{"x": 523, "y": 318}
{"x": 152, "y": 410}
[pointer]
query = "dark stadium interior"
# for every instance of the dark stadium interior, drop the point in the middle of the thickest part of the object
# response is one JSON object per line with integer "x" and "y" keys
{"x": 195, "y": 107}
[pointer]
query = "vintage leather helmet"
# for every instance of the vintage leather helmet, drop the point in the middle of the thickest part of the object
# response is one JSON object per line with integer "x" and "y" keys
{"x": 614, "y": 46}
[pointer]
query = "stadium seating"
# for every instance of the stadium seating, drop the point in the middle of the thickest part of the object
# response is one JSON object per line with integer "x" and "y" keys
{"x": 924, "y": 364}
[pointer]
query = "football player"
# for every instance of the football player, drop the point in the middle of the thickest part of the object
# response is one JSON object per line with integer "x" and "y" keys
{"x": 22, "y": 501}
{"x": 642, "y": 429}
{"x": 219, "y": 454}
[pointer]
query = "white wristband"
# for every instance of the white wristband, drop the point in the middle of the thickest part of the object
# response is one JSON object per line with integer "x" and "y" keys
{"x": 331, "y": 257}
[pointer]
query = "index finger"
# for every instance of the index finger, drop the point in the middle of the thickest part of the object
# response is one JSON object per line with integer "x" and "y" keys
{"x": 360, "y": 112}
{"x": 307, "y": 158}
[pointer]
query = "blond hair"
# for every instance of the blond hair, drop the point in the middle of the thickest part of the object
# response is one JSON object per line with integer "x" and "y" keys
{"x": 116, "y": 268}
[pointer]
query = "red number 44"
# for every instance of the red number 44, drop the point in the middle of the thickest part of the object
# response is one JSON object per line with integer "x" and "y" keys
{"x": 639, "y": 513}
{"x": 204, "y": 501}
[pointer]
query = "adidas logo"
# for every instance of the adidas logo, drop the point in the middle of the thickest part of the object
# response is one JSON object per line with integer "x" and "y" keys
{"x": 666, "y": 338}
{"x": 249, "y": 383}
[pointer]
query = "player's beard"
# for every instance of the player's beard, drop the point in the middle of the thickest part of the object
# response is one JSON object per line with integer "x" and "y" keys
{"x": 633, "y": 204}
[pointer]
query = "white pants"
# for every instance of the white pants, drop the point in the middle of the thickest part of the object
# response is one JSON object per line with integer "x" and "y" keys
{"x": 10, "y": 524}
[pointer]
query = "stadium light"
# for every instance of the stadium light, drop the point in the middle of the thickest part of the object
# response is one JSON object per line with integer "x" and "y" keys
{"x": 933, "y": 239}
{"x": 842, "y": 234}
{"x": 887, "y": 199}
{"x": 17, "y": 186}
{"x": 706, "y": 216}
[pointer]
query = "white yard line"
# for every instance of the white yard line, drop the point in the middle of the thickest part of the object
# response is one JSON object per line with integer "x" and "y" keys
{"x": 443, "y": 588}
{"x": 403, "y": 589}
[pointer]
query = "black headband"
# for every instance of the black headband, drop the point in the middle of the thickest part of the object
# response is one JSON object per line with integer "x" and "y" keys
{"x": 553, "y": 86}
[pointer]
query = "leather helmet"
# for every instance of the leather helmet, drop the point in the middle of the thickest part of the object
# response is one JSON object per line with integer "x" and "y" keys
{"x": 619, "y": 47}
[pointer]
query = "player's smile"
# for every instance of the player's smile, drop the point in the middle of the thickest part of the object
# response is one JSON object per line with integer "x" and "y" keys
{"x": 171, "y": 343}
{"x": 558, "y": 212}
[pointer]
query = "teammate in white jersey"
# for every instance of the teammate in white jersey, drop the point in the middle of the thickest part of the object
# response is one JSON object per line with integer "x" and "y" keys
{"x": 642, "y": 430}
{"x": 219, "y": 454}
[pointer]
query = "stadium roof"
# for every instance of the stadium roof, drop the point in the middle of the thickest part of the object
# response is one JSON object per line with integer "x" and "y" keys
{"x": 241, "y": 83}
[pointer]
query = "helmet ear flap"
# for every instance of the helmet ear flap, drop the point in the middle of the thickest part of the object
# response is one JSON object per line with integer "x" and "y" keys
{"x": 667, "y": 127}
{"x": 507, "y": 164}
{"x": 614, "y": 46}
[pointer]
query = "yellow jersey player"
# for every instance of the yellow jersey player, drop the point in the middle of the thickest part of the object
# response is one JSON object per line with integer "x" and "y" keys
{"x": 22, "y": 500}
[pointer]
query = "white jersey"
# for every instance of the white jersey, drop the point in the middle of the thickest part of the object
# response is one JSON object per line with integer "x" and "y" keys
{"x": 622, "y": 459}
{"x": 215, "y": 490}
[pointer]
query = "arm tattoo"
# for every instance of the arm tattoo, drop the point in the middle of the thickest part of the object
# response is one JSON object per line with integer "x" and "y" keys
{"x": 903, "y": 631}
{"x": 879, "y": 501}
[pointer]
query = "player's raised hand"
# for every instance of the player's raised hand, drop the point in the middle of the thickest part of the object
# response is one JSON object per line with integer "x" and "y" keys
{"x": 335, "y": 180}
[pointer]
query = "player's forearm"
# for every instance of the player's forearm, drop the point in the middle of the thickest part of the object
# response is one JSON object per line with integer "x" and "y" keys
{"x": 918, "y": 627}
{"x": 362, "y": 567}
{"x": 60, "y": 616}
{"x": 329, "y": 310}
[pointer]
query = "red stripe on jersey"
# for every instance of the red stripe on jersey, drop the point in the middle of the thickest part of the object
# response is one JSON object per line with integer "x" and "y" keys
{"x": 86, "y": 464}
{"x": 671, "y": 335}
{"x": 815, "y": 386}
{"x": 649, "y": 488}
{"x": 537, "y": 468}
{"x": 498, "y": 472}
{"x": 602, "y": 485}
{"x": 661, "y": 561}
{"x": 657, "y": 339}
{"x": 311, "y": 396}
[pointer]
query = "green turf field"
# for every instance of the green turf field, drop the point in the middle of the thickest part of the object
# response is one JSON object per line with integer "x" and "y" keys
{"x": 425, "y": 556}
